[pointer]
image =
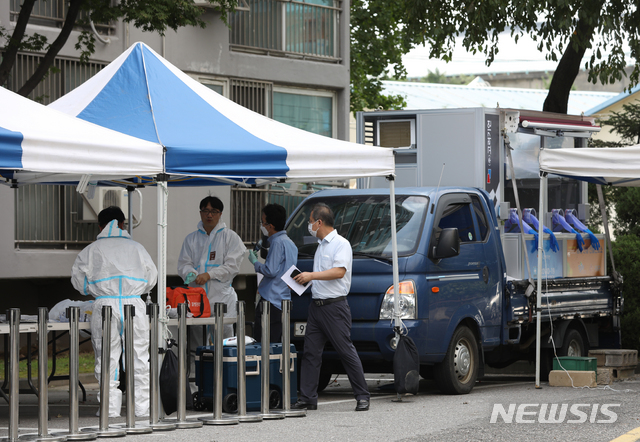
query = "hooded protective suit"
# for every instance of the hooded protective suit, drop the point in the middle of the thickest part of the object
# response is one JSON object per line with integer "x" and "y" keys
{"x": 220, "y": 254}
{"x": 116, "y": 270}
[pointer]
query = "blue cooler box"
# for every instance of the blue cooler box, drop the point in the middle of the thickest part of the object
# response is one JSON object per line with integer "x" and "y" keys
{"x": 204, "y": 377}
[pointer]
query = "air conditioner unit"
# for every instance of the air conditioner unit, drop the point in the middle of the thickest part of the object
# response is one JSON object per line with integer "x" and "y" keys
{"x": 104, "y": 197}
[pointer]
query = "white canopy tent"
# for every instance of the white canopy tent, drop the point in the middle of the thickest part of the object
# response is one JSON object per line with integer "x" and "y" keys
{"x": 609, "y": 166}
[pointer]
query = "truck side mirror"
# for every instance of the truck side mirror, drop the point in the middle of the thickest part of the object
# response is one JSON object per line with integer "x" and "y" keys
{"x": 447, "y": 245}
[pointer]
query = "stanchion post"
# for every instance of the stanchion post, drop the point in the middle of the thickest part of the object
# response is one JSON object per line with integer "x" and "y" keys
{"x": 183, "y": 357}
{"x": 219, "y": 309}
{"x": 265, "y": 372}
{"x": 73, "y": 313}
{"x": 286, "y": 363}
{"x": 13, "y": 315}
{"x": 243, "y": 416}
{"x": 43, "y": 392}
{"x": 103, "y": 429}
{"x": 154, "y": 373}
{"x": 129, "y": 370}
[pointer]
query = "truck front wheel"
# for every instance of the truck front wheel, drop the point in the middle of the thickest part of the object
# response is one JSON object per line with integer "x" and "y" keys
{"x": 458, "y": 372}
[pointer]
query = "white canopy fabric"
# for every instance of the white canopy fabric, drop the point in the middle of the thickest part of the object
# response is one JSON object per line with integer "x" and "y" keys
{"x": 607, "y": 166}
{"x": 54, "y": 146}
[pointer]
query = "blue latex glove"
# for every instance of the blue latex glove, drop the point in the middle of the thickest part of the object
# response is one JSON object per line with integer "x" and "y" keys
{"x": 253, "y": 257}
{"x": 573, "y": 220}
{"x": 190, "y": 278}
{"x": 562, "y": 223}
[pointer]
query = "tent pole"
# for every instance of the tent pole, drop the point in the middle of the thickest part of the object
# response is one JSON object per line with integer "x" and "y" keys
{"x": 394, "y": 255}
{"x": 130, "y": 190}
{"x": 543, "y": 193}
{"x": 162, "y": 195}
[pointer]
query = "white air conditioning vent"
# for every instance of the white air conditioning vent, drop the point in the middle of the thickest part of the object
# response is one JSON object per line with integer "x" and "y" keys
{"x": 104, "y": 197}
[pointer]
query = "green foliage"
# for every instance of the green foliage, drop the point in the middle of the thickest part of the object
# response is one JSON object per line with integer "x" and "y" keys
{"x": 443, "y": 78}
{"x": 377, "y": 41}
{"x": 626, "y": 252}
{"x": 626, "y": 123}
{"x": 148, "y": 15}
{"x": 86, "y": 365}
{"x": 557, "y": 26}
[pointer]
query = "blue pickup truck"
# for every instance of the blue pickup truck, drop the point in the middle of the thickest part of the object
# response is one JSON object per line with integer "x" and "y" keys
{"x": 457, "y": 302}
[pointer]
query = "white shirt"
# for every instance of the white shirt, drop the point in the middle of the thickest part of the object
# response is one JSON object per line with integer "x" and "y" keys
{"x": 333, "y": 251}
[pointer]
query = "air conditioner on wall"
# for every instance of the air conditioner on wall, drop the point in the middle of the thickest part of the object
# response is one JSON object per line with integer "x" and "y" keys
{"x": 104, "y": 197}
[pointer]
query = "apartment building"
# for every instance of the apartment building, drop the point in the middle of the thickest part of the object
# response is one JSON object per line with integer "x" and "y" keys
{"x": 288, "y": 60}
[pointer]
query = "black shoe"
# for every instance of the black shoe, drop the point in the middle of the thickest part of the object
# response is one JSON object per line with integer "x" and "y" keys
{"x": 305, "y": 405}
{"x": 362, "y": 405}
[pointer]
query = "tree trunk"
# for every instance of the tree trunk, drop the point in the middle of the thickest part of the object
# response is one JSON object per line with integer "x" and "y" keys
{"x": 13, "y": 44}
{"x": 54, "y": 49}
{"x": 569, "y": 66}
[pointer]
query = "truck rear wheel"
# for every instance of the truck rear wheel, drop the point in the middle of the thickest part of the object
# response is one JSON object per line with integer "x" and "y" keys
{"x": 574, "y": 344}
{"x": 458, "y": 372}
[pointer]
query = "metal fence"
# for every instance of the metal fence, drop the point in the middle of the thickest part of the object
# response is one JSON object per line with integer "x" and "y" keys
{"x": 50, "y": 216}
{"x": 288, "y": 27}
{"x": 247, "y": 204}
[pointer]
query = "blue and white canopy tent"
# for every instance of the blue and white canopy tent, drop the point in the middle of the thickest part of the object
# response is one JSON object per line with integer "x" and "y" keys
{"x": 207, "y": 138}
{"x": 38, "y": 144}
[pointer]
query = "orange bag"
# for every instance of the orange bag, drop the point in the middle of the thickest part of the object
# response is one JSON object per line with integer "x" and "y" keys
{"x": 195, "y": 298}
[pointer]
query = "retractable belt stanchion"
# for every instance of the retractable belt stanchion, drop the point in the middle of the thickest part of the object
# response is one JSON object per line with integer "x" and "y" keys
{"x": 243, "y": 416}
{"x": 182, "y": 421}
{"x": 103, "y": 429}
{"x": 43, "y": 392}
{"x": 219, "y": 310}
{"x": 154, "y": 372}
{"x": 13, "y": 314}
{"x": 129, "y": 369}
{"x": 265, "y": 377}
{"x": 286, "y": 363}
{"x": 73, "y": 313}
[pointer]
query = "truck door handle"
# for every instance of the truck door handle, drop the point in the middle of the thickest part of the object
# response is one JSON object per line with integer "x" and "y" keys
{"x": 485, "y": 274}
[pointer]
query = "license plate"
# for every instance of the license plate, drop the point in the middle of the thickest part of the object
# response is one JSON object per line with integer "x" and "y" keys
{"x": 299, "y": 329}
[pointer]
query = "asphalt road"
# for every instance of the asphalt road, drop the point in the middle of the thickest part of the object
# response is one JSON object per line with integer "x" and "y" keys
{"x": 428, "y": 416}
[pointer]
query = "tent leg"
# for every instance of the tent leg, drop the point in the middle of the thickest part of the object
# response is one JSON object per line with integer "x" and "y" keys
{"x": 543, "y": 193}
{"x": 394, "y": 254}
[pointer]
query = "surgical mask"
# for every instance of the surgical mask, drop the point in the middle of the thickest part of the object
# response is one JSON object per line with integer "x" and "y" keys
{"x": 264, "y": 231}
{"x": 313, "y": 233}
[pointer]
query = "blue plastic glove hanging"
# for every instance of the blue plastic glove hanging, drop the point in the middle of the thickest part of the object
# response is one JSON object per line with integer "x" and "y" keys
{"x": 569, "y": 215}
{"x": 559, "y": 220}
{"x": 512, "y": 225}
{"x": 533, "y": 221}
{"x": 253, "y": 256}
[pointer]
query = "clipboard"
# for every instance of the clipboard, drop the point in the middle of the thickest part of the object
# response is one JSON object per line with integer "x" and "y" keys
{"x": 287, "y": 277}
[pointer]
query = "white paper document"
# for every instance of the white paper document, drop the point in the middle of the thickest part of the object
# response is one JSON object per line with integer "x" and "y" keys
{"x": 298, "y": 288}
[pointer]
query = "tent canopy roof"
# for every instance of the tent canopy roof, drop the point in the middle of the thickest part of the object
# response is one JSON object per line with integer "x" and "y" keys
{"x": 612, "y": 166}
{"x": 206, "y": 135}
{"x": 50, "y": 144}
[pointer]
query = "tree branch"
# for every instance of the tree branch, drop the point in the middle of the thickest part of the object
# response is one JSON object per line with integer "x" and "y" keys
{"x": 11, "y": 50}
{"x": 54, "y": 49}
{"x": 569, "y": 66}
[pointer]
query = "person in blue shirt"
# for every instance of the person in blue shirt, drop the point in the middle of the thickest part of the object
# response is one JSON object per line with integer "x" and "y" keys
{"x": 283, "y": 254}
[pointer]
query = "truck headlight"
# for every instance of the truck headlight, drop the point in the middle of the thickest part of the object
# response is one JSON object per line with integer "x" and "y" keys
{"x": 408, "y": 303}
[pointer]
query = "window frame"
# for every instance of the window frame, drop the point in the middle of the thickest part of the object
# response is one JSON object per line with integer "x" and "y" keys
{"x": 314, "y": 93}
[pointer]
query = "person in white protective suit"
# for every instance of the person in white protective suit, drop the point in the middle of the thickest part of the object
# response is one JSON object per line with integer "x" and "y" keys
{"x": 210, "y": 258}
{"x": 116, "y": 270}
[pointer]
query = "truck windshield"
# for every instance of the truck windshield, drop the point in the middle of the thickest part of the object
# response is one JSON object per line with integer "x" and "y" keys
{"x": 365, "y": 221}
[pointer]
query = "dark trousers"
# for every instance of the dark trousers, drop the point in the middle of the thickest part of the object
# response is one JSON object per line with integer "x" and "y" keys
{"x": 275, "y": 324}
{"x": 330, "y": 322}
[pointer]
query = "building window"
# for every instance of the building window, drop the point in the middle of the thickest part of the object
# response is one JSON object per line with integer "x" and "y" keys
{"x": 302, "y": 27}
{"x": 65, "y": 76}
{"x": 53, "y": 12}
{"x": 312, "y": 111}
{"x": 254, "y": 95}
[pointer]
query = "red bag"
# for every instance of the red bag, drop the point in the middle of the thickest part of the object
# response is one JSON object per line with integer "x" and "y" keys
{"x": 195, "y": 298}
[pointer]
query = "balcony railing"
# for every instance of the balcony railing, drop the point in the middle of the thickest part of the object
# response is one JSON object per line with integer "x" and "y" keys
{"x": 307, "y": 29}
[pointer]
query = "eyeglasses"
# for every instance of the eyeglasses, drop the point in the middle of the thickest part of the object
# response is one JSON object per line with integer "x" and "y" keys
{"x": 210, "y": 212}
